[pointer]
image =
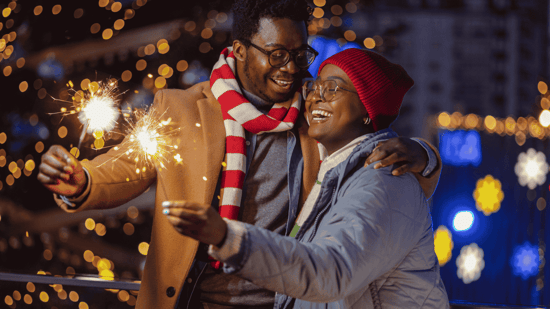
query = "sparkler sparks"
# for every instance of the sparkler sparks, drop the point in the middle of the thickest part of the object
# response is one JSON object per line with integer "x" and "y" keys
{"x": 97, "y": 106}
{"x": 149, "y": 140}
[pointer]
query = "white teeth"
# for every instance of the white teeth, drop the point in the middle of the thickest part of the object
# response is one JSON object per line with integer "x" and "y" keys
{"x": 321, "y": 112}
{"x": 283, "y": 83}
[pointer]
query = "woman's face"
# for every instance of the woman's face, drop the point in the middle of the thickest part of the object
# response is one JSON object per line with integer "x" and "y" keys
{"x": 341, "y": 120}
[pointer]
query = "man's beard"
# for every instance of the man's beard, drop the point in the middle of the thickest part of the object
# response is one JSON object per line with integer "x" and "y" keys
{"x": 260, "y": 90}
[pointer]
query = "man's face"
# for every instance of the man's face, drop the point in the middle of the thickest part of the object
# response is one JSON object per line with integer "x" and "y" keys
{"x": 274, "y": 85}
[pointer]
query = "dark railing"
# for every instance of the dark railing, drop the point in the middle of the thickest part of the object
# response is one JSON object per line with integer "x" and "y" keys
{"x": 93, "y": 281}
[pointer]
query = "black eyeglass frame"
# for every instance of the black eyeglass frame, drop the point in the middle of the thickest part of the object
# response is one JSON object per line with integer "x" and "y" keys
{"x": 305, "y": 89}
{"x": 291, "y": 55}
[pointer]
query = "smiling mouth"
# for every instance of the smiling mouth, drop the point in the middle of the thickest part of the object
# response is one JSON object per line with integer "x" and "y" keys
{"x": 284, "y": 84}
{"x": 320, "y": 115}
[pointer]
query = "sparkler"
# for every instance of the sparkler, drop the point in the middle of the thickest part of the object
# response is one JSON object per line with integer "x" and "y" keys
{"x": 97, "y": 107}
{"x": 149, "y": 140}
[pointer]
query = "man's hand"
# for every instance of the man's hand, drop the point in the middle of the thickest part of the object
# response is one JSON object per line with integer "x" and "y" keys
{"x": 197, "y": 221}
{"x": 406, "y": 154}
{"x": 61, "y": 173}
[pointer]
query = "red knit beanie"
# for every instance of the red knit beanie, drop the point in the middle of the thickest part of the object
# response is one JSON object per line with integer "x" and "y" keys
{"x": 381, "y": 85}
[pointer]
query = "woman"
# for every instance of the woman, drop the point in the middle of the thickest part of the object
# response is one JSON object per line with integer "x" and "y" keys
{"x": 364, "y": 238}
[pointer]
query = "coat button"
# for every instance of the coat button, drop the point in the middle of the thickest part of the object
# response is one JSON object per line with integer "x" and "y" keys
{"x": 170, "y": 291}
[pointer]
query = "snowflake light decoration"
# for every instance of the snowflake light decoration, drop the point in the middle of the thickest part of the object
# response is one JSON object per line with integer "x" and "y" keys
{"x": 443, "y": 244}
{"x": 470, "y": 263}
{"x": 531, "y": 168}
{"x": 525, "y": 260}
{"x": 488, "y": 195}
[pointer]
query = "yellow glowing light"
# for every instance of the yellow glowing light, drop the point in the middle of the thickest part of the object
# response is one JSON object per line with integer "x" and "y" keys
{"x": 83, "y": 305}
{"x": 44, "y": 297}
{"x": 488, "y": 195}
{"x": 141, "y": 65}
{"x": 30, "y": 287}
{"x": 123, "y": 296}
{"x": 544, "y": 118}
{"x": 90, "y": 224}
{"x": 88, "y": 256}
{"x": 6, "y": 12}
{"x": 116, "y": 7}
{"x": 27, "y": 299}
{"x": 107, "y": 33}
{"x": 7, "y": 70}
{"x": 103, "y": 3}
{"x": 369, "y": 43}
{"x": 8, "y": 300}
{"x": 128, "y": 228}
{"x": 39, "y": 147}
{"x": 56, "y": 9}
{"x": 119, "y": 24}
{"x": 490, "y": 122}
{"x": 12, "y": 167}
{"x": 178, "y": 158}
{"x": 318, "y": 13}
{"x": 182, "y": 65}
{"x": 542, "y": 87}
{"x": 350, "y": 35}
{"x": 143, "y": 248}
{"x": 73, "y": 296}
{"x": 62, "y": 132}
{"x": 75, "y": 152}
{"x": 545, "y": 103}
{"x": 103, "y": 264}
{"x": 29, "y": 165}
{"x": 100, "y": 229}
{"x": 443, "y": 244}
{"x": 62, "y": 294}
{"x": 444, "y": 119}
{"x": 38, "y": 10}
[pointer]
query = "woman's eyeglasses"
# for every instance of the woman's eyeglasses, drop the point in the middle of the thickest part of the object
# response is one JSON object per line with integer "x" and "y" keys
{"x": 328, "y": 89}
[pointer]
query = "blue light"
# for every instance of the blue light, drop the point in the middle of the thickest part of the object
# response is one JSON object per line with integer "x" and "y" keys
{"x": 463, "y": 220}
{"x": 326, "y": 48}
{"x": 525, "y": 260}
{"x": 460, "y": 148}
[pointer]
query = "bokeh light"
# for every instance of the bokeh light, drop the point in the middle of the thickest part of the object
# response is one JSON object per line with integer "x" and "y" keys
{"x": 443, "y": 245}
{"x": 488, "y": 195}
{"x": 470, "y": 263}
{"x": 463, "y": 220}
{"x": 531, "y": 168}
{"x": 525, "y": 260}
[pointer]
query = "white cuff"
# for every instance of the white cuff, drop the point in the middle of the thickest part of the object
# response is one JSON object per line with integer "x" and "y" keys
{"x": 432, "y": 159}
{"x": 233, "y": 240}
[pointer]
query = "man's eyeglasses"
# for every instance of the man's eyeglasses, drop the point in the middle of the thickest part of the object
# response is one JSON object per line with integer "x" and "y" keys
{"x": 281, "y": 56}
{"x": 328, "y": 89}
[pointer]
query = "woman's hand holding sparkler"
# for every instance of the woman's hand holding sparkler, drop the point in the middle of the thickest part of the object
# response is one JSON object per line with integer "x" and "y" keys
{"x": 61, "y": 172}
{"x": 201, "y": 222}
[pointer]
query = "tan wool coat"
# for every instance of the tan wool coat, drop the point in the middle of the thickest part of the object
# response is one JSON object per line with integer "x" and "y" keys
{"x": 201, "y": 145}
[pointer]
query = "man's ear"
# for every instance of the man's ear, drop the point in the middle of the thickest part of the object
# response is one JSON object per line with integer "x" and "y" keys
{"x": 239, "y": 50}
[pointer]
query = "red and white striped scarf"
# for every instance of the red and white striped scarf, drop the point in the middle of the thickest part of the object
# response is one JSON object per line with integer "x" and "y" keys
{"x": 239, "y": 114}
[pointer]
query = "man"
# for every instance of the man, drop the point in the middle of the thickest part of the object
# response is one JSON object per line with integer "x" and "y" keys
{"x": 269, "y": 58}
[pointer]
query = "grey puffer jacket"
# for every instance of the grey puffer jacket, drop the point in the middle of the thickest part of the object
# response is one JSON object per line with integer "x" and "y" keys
{"x": 368, "y": 243}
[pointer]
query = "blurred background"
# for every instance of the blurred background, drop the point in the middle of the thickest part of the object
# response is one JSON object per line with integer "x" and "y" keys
{"x": 480, "y": 69}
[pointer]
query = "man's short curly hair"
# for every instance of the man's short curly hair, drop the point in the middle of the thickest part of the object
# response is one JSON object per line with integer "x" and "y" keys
{"x": 247, "y": 15}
